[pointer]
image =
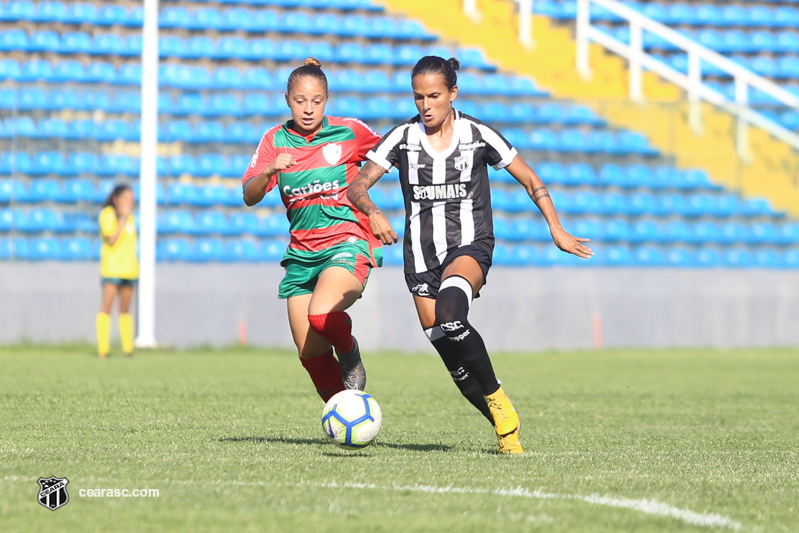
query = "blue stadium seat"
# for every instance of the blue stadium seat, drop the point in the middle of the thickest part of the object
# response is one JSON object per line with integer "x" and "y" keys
{"x": 68, "y": 71}
{"x": 241, "y": 251}
{"x": 226, "y": 104}
{"x": 181, "y": 193}
{"x": 680, "y": 257}
{"x": 206, "y": 18}
{"x": 173, "y": 250}
{"x": 46, "y": 190}
{"x": 541, "y": 139}
{"x": 32, "y": 99}
{"x": 6, "y": 220}
{"x": 675, "y": 231}
{"x": 579, "y": 174}
{"x": 51, "y": 128}
{"x": 790, "y": 258}
{"x": 111, "y": 165}
{"x": 14, "y": 40}
{"x": 44, "y": 248}
{"x": 737, "y": 257}
{"x": 209, "y": 195}
{"x": 209, "y": 131}
{"x": 76, "y": 43}
{"x": 79, "y": 190}
{"x": 36, "y": 70}
{"x": 212, "y": 222}
{"x": 210, "y": 164}
{"x": 649, "y": 256}
{"x": 10, "y": 69}
{"x": 50, "y": 12}
{"x": 78, "y": 249}
{"x": 8, "y": 99}
{"x": 633, "y": 142}
{"x": 174, "y": 17}
{"x": 200, "y": 47}
{"x": 16, "y": 10}
{"x": 616, "y": 230}
{"x": 787, "y": 233}
{"x": 176, "y": 221}
{"x": 707, "y": 257}
{"x": 273, "y": 226}
{"x": 644, "y": 231}
{"x": 36, "y": 220}
{"x": 244, "y": 223}
{"x": 618, "y": 255}
{"x": 732, "y": 232}
{"x": 233, "y": 47}
{"x": 762, "y": 233}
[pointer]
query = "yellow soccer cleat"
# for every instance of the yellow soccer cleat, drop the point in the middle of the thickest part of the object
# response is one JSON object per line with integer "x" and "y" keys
{"x": 506, "y": 422}
{"x": 510, "y": 443}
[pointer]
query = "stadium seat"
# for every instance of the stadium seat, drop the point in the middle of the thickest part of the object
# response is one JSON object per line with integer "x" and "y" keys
{"x": 173, "y": 250}
{"x": 6, "y": 220}
{"x": 46, "y": 190}
{"x": 14, "y": 40}
{"x": 78, "y": 249}
{"x": 241, "y": 251}
{"x": 78, "y": 190}
{"x": 50, "y": 12}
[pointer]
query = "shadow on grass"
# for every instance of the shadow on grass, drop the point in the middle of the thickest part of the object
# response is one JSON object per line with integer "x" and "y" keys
{"x": 316, "y": 442}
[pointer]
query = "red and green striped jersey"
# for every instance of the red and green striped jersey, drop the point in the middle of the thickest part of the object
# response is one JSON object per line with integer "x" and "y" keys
{"x": 314, "y": 190}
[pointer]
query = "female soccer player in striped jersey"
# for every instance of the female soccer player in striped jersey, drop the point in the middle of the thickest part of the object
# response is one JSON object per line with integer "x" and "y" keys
{"x": 442, "y": 157}
{"x": 311, "y": 159}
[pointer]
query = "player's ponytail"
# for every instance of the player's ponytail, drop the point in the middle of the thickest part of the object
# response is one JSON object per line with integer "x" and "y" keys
{"x": 438, "y": 65}
{"x": 310, "y": 67}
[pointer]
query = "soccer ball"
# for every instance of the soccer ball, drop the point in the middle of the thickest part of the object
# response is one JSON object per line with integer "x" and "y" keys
{"x": 351, "y": 419}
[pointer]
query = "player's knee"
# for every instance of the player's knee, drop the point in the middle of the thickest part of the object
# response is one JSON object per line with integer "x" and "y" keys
{"x": 452, "y": 307}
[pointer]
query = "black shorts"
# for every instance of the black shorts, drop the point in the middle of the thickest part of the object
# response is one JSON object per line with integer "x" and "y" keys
{"x": 427, "y": 283}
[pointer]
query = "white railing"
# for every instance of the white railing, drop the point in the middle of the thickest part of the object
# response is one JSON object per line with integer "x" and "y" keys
{"x": 692, "y": 81}
{"x": 525, "y": 7}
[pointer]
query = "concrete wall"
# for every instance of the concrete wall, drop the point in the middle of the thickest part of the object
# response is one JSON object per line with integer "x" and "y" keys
{"x": 520, "y": 309}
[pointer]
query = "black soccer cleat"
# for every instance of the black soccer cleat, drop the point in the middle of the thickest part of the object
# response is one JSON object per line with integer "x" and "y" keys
{"x": 352, "y": 371}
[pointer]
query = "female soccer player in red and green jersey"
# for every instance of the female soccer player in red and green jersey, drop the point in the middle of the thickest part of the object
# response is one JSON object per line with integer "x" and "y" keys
{"x": 311, "y": 159}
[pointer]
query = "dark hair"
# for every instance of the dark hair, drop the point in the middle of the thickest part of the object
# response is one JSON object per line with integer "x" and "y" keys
{"x": 438, "y": 65}
{"x": 114, "y": 194}
{"x": 310, "y": 67}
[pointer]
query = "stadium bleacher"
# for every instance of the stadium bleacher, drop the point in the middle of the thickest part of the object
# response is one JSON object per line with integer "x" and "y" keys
{"x": 69, "y": 129}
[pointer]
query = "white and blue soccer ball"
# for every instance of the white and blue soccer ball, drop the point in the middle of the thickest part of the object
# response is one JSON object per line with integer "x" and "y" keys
{"x": 351, "y": 419}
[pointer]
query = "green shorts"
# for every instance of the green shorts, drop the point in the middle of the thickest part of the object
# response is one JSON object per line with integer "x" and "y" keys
{"x": 303, "y": 268}
{"x": 119, "y": 282}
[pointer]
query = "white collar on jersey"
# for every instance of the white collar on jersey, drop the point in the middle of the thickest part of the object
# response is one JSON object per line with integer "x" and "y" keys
{"x": 456, "y": 135}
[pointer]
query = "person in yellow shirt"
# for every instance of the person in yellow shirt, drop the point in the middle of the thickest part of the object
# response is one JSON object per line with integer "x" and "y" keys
{"x": 119, "y": 267}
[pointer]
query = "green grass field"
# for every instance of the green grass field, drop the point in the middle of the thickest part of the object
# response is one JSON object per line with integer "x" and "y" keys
{"x": 687, "y": 440}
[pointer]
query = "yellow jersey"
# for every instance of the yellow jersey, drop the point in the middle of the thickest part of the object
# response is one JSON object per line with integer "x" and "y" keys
{"x": 119, "y": 260}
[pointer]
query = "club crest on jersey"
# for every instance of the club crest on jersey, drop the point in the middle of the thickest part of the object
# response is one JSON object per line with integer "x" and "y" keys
{"x": 461, "y": 162}
{"x": 332, "y": 153}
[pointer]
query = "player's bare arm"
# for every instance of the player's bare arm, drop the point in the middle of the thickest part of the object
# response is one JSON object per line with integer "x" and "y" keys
{"x": 358, "y": 194}
{"x": 255, "y": 190}
{"x": 538, "y": 192}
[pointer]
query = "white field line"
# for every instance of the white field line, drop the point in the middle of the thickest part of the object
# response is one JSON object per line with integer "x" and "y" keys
{"x": 650, "y": 507}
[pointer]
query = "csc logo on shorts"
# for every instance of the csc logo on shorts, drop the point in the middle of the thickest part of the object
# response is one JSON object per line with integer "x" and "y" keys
{"x": 452, "y": 326}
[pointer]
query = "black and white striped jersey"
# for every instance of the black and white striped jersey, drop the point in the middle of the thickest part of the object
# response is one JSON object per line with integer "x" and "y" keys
{"x": 447, "y": 197}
